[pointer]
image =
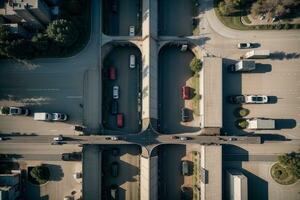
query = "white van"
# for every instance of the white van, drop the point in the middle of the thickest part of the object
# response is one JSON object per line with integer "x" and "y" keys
{"x": 132, "y": 61}
{"x": 42, "y": 116}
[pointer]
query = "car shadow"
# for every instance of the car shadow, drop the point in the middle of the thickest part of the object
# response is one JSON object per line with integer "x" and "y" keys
{"x": 285, "y": 123}
{"x": 272, "y": 99}
{"x": 262, "y": 68}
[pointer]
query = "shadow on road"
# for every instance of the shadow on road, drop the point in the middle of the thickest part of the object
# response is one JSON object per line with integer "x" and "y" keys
{"x": 281, "y": 55}
{"x": 271, "y": 137}
{"x": 262, "y": 68}
{"x": 56, "y": 172}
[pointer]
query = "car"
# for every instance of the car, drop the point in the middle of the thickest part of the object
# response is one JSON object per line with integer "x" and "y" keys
{"x": 184, "y": 114}
{"x": 59, "y": 117}
{"x": 132, "y": 61}
{"x": 58, "y": 138}
{"x": 116, "y": 92}
{"x": 112, "y": 73}
{"x": 120, "y": 120}
{"x": 185, "y": 92}
{"x": 114, "y": 6}
{"x": 256, "y": 99}
{"x": 42, "y": 116}
{"x": 232, "y": 139}
{"x": 114, "y": 169}
{"x": 114, "y": 107}
{"x": 113, "y": 191}
{"x": 183, "y": 138}
{"x": 108, "y": 138}
{"x": 18, "y": 111}
{"x": 244, "y": 45}
{"x": 131, "y": 31}
{"x": 115, "y": 138}
{"x": 115, "y": 151}
{"x": 174, "y": 137}
{"x": 74, "y": 156}
{"x": 184, "y": 168}
{"x": 236, "y": 99}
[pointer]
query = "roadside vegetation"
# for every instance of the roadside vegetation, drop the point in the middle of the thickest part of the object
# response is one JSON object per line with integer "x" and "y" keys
{"x": 287, "y": 170}
{"x": 63, "y": 37}
{"x": 39, "y": 175}
{"x": 196, "y": 175}
{"x": 195, "y": 66}
{"x": 231, "y": 12}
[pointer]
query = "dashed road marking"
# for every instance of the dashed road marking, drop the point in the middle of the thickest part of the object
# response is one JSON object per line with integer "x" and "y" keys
{"x": 73, "y": 97}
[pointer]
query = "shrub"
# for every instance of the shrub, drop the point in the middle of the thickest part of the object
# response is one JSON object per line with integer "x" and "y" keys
{"x": 195, "y": 65}
{"x": 242, "y": 124}
{"x": 291, "y": 162}
{"x": 287, "y": 26}
{"x": 242, "y": 112}
{"x": 5, "y": 110}
{"x": 40, "y": 174}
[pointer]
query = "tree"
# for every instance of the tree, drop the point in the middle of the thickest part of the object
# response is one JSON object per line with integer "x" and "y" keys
{"x": 40, "y": 174}
{"x": 195, "y": 65}
{"x": 40, "y": 42}
{"x": 5, "y": 110}
{"x": 292, "y": 163}
{"x": 4, "y": 33}
{"x": 226, "y": 9}
{"x": 256, "y": 9}
{"x": 280, "y": 10}
{"x": 63, "y": 32}
{"x": 20, "y": 48}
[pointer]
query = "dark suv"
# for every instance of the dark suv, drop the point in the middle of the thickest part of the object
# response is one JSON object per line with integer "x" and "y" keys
{"x": 184, "y": 114}
{"x": 114, "y": 107}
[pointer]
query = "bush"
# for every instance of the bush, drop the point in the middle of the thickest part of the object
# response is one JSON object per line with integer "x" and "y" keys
{"x": 242, "y": 124}
{"x": 287, "y": 26}
{"x": 242, "y": 112}
{"x": 195, "y": 65}
{"x": 291, "y": 162}
{"x": 5, "y": 110}
{"x": 40, "y": 174}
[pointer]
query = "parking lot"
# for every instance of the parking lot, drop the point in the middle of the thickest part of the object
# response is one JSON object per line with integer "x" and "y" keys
{"x": 279, "y": 80}
{"x": 41, "y": 90}
{"x": 129, "y": 85}
{"x": 171, "y": 180}
{"x": 175, "y": 17}
{"x": 174, "y": 72}
{"x": 127, "y": 176}
{"x": 118, "y": 15}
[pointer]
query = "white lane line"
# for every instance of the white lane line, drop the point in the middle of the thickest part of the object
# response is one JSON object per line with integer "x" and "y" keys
{"x": 74, "y": 97}
{"x": 42, "y": 89}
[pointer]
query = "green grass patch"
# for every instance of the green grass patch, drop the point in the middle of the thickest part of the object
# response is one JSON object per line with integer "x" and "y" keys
{"x": 197, "y": 97}
{"x": 281, "y": 175}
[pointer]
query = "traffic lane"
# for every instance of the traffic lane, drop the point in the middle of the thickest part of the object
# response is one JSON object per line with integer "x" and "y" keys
{"x": 128, "y": 12}
{"x": 175, "y": 17}
{"x": 170, "y": 177}
{"x": 91, "y": 172}
{"x": 128, "y": 173}
{"x": 128, "y": 82}
{"x": 282, "y": 85}
{"x": 174, "y": 72}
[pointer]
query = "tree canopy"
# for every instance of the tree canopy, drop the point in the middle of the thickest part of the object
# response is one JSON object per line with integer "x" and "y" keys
{"x": 292, "y": 163}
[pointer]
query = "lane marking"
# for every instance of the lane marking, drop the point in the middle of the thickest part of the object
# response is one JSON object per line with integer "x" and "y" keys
{"x": 42, "y": 89}
{"x": 74, "y": 97}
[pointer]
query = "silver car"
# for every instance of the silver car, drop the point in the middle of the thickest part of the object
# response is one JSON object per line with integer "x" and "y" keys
{"x": 116, "y": 92}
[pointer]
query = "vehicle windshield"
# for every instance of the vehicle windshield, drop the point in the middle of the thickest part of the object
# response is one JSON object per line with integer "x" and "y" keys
{"x": 257, "y": 98}
{"x": 14, "y": 110}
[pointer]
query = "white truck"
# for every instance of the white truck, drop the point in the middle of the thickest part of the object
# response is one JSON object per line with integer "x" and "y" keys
{"x": 242, "y": 66}
{"x": 253, "y": 54}
{"x": 261, "y": 123}
{"x": 42, "y": 116}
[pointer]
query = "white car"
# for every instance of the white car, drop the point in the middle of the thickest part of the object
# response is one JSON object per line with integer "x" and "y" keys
{"x": 115, "y": 92}
{"x": 59, "y": 117}
{"x": 132, "y": 61}
{"x": 244, "y": 45}
{"x": 256, "y": 99}
{"x": 58, "y": 138}
{"x": 131, "y": 31}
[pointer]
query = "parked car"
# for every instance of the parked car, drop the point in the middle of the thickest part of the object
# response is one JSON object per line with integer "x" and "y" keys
{"x": 59, "y": 117}
{"x": 248, "y": 99}
{"x": 120, "y": 120}
{"x": 257, "y": 99}
{"x": 115, "y": 138}
{"x": 183, "y": 138}
{"x": 114, "y": 107}
{"x": 132, "y": 61}
{"x": 244, "y": 45}
{"x": 112, "y": 73}
{"x": 114, "y": 169}
{"x": 113, "y": 192}
{"x": 18, "y": 111}
{"x": 184, "y": 114}
{"x": 185, "y": 92}
{"x": 116, "y": 92}
{"x": 58, "y": 138}
{"x": 114, "y": 6}
{"x": 184, "y": 168}
{"x": 174, "y": 137}
{"x": 131, "y": 31}
{"x": 42, "y": 116}
{"x": 74, "y": 156}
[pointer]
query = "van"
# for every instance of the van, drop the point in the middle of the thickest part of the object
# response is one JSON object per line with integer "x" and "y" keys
{"x": 184, "y": 168}
{"x": 42, "y": 116}
{"x": 132, "y": 61}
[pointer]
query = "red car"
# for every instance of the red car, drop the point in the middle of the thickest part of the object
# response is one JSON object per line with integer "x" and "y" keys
{"x": 112, "y": 73}
{"x": 120, "y": 120}
{"x": 185, "y": 91}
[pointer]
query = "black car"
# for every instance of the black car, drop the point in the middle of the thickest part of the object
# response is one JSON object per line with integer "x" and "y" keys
{"x": 114, "y": 169}
{"x": 184, "y": 114}
{"x": 114, "y": 107}
{"x": 236, "y": 99}
{"x": 75, "y": 156}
